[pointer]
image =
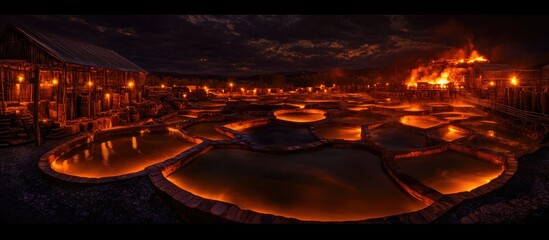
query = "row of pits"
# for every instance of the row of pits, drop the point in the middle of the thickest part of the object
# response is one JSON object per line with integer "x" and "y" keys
{"x": 317, "y": 168}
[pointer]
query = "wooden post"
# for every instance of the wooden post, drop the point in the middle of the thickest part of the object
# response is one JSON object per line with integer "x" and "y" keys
{"x": 74, "y": 78}
{"x": 2, "y": 89}
{"x": 64, "y": 90}
{"x": 89, "y": 95}
{"x": 56, "y": 93}
{"x": 36, "y": 94}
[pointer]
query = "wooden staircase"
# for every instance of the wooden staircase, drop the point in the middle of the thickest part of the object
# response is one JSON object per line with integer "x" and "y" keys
{"x": 6, "y": 134}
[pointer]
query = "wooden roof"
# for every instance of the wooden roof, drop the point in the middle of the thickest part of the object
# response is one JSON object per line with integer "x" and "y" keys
{"x": 71, "y": 51}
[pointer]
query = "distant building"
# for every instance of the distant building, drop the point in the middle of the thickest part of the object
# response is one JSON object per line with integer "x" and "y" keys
{"x": 76, "y": 79}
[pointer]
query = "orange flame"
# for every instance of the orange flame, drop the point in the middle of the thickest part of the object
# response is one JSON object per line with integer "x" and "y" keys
{"x": 443, "y": 71}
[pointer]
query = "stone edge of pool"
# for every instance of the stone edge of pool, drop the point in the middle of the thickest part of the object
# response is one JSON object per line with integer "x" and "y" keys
{"x": 44, "y": 163}
{"x": 208, "y": 210}
{"x": 278, "y": 112}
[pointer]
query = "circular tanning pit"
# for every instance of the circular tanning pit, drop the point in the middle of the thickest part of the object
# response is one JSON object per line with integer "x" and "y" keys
{"x": 361, "y": 119}
{"x": 460, "y": 106}
{"x": 415, "y": 110}
{"x": 398, "y": 139}
{"x": 383, "y": 107}
{"x": 206, "y": 130}
{"x": 279, "y": 135}
{"x": 345, "y": 132}
{"x": 455, "y": 116}
{"x": 356, "y": 109}
{"x": 120, "y": 155}
{"x": 322, "y": 185}
{"x": 300, "y": 115}
{"x": 450, "y": 133}
{"x": 449, "y": 171}
{"x": 322, "y": 101}
{"x": 421, "y": 122}
{"x": 210, "y": 104}
{"x": 502, "y": 132}
{"x": 359, "y": 107}
{"x": 481, "y": 142}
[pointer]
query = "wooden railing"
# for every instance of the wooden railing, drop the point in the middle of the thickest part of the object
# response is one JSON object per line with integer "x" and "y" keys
{"x": 535, "y": 118}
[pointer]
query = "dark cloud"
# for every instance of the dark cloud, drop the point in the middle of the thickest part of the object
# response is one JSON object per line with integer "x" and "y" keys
{"x": 257, "y": 44}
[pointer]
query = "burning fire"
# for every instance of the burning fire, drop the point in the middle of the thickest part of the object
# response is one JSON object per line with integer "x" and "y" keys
{"x": 443, "y": 71}
{"x": 473, "y": 58}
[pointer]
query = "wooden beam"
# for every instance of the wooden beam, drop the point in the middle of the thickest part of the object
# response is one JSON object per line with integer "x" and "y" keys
{"x": 2, "y": 89}
{"x": 36, "y": 94}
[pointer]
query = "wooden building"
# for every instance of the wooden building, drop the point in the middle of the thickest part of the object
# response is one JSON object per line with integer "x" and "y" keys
{"x": 75, "y": 79}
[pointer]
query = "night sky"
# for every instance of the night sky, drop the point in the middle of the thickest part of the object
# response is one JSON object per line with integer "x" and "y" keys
{"x": 246, "y": 45}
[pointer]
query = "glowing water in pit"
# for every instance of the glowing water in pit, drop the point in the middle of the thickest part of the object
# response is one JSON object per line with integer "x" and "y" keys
{"x": 396, "y": 139}
{"x": 419, "y": 122}
{"x": 493, "y": 129}
{"x": 450, "y": 134}
{"x": 491, "y": 145}
{"x": 358, "y": 119}
{"x": 340, "y": 132}
{"x": 414, "y": 109}
{"x": 120, "y": 155}
{"x": 454, "y": 116}
{"x": 280, "y": 135}
{"x": 206, "y": 130}
{"x": 301, "y": 117}
{"x": 209, "y": 104}
{"x": 450, "y": 171}
{"x": 326, "y": 184}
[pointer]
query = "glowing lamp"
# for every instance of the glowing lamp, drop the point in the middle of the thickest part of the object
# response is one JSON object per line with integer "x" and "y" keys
{"x": 492, "y": 83}
{"x": 54, "y": 82}
{"x": 231, "y": 84}
{"x": 20, "y": 79}
{"x": 90, "y": 83}
{"x": 130, "y": 84}
{"x": 107, "y": 95}
{"x": 514, "y": 81}
{"x": 162, "y": 86}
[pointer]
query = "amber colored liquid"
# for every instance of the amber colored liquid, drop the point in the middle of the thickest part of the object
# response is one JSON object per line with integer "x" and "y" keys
{"x": 120, "y": 155}
{"x": 326, "y": 184}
